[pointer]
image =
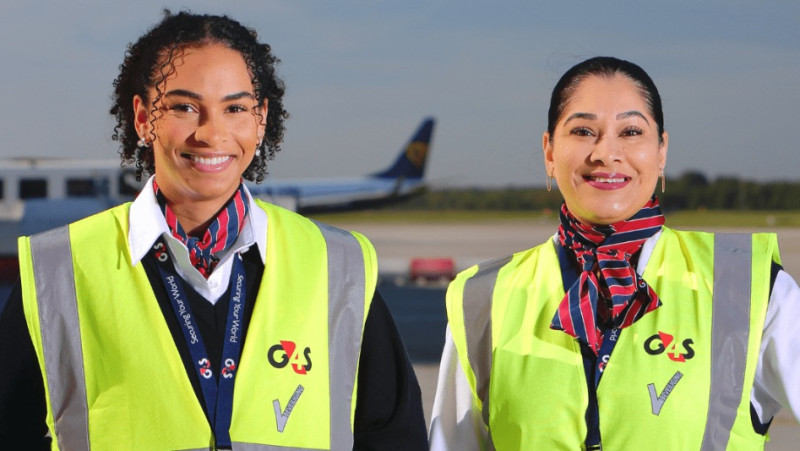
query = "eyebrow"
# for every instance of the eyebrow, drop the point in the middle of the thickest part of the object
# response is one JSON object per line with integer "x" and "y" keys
{"x": 238, "y": 95}
{"x": 632, "y": 113}
{"x": 196, "y": 96}
{"x": 620, "y": 116}
{"x": 587, "y": 116}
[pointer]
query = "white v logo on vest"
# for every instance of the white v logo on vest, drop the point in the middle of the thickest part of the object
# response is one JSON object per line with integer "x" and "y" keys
{"x": 281, "y": 417}
{"x": 657, "y": 401}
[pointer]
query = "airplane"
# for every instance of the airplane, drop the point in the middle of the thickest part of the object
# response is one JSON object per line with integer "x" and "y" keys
{"x": 401, "y": 180}
{"x": 38, "y": 194}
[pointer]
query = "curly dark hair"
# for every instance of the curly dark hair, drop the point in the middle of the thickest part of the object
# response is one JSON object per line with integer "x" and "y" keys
{"x": 149, "y": 61}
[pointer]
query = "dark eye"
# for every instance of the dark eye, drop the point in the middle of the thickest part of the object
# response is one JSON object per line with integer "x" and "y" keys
{"x": 632, "y": 131}
{"x": 182, "y": 108}
{"x": 237, "y": 108}
{"x": 581, "y": 131}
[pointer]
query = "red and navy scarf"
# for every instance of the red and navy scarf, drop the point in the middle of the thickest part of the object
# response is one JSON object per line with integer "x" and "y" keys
{"x": 609, "y": 293}
{"x": 220, "y": 235}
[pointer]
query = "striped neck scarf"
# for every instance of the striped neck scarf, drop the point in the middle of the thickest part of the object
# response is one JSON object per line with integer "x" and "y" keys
{"x": 220, "y": 235}
{"x": 604, "y": 254}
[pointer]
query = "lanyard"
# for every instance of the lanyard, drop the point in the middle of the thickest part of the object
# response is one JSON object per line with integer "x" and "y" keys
{"x": 592, "y": 364}
{"x": 218, "y": 396}
{"x": 610, "y": 336}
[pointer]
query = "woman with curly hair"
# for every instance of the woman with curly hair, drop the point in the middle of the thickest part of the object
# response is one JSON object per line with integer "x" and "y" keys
{"x": 196, "y": 316}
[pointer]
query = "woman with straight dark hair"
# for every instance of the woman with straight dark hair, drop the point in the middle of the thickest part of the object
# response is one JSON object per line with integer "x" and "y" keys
{"x": 618, "y": 333}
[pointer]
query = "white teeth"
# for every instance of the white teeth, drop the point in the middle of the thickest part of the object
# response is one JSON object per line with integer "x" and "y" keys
{"x": 608, "y": 180}
{"x": 209, "y": 161}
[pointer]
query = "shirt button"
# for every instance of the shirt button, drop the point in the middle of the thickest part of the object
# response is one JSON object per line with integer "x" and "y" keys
{"x": 212, "y": 283}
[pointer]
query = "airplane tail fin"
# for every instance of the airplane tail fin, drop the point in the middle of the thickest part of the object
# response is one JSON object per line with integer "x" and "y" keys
{"x": 410, "y": 164}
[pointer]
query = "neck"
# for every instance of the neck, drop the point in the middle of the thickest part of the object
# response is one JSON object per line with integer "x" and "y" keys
{"x": 194, "y": 213}
{"x": 194, "y": 216}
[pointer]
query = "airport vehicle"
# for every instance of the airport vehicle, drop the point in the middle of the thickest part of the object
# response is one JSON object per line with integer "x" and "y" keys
{"x": 439, "y": 270}
{"x": 38, "y": 194}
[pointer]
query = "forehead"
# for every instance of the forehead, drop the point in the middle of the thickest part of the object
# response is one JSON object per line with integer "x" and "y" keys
{"x": 597, "y": 94}
{"x": 207, "y": 66}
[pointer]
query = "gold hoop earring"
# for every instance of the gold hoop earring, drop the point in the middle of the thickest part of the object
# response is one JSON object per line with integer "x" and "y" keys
{"x": 663, "y": 182}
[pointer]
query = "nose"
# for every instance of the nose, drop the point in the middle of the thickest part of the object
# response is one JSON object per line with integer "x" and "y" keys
{"x": 606, "y": 150}
{"x": 210, "y": 130}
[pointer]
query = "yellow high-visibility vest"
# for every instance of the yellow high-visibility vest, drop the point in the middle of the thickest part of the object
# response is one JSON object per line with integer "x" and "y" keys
{"x": 112, "y": 373}
{"x": 678, "y": 379}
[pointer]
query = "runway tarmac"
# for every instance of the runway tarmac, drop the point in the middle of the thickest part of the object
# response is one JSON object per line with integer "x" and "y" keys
{"x": 419, "y": 311}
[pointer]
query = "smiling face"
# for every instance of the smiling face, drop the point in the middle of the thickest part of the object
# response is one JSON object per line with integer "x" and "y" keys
{"x": 205, "y": 127}
{"x": 605, "y": 152}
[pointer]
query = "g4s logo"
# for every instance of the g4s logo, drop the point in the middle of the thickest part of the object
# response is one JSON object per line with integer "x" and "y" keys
{"x": 662, "y": 341}
{"x": 205, "y": 368}
{"x": 285, "y": 352}
{"x": 161, "y": 251}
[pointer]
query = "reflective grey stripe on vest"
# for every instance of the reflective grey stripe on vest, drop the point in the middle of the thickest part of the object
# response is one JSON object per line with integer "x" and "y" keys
{"x": 61, "y": 340}
{"x": 730, "y": 330}
{"x": 346, "y": 296}
{"x": 477, "y": 306}
{"x": 61, "y": 337}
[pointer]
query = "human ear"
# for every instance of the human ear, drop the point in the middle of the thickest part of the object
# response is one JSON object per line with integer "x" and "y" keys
{"x": 662, "y": 150}
{"x": 261, "y": 116}
{"x": 141, "y": 114}
{"x": 547, "y": 149}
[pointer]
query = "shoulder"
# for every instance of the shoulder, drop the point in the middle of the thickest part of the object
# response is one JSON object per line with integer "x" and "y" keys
{"x": 110, "y": 225}
{"x": 546, "y": 250}
{"x": 520, "y": 268}
{"x": 669, "y": 233}
{"x": 107, "y": 223}
{"x": 282, "y": 218}
{"x": 109, "y": 216}
{"x": 272, "y": 209}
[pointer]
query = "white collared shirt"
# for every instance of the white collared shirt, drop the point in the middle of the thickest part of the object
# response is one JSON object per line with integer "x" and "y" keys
{"x": 147, "y": 224}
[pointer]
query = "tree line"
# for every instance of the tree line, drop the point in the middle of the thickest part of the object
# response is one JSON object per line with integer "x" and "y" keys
{"x": 691, "y": 190}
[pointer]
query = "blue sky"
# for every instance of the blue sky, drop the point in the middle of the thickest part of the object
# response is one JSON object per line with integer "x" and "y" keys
{"x": 362, "y": 74}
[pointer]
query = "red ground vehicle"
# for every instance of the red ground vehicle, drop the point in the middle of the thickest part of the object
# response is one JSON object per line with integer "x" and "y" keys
{"x": 425, "y": 270}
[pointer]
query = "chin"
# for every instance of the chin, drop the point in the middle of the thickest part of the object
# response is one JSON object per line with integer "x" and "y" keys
{"x": 212, "y": 190}
{"x": 605, "y": 217}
